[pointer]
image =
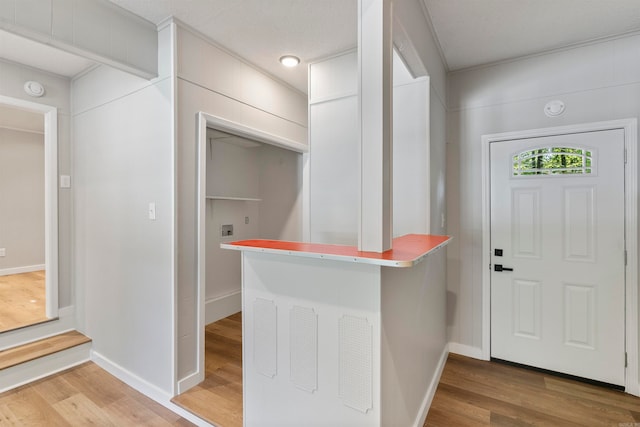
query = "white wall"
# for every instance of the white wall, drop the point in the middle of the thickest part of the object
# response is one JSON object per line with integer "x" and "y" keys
{"x": 411, "y": 152}
{"x": 57, "y": 95}
{"x": 334, "y": 174}
{"x": 260, "y": 171}
{"x": 124, "y": 262}
{"x": 333, "y": 167}
{"x": 22, "y": 200}
{"x": 414, "y": 339}
{"x": 281, "y": 193}
{"x": 213, "y": 81}
{"x": 223, "y": 267}
{"x": 596, "y": 82}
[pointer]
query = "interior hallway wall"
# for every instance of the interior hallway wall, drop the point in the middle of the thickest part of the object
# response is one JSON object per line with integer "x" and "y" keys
{"x": 214, "y": 81}
{"x": 124, "y": 260}
{"x": 334, "y": 180}
{"x": 57, "y": 95}
{"x": 596, "y": 82}
{"x": 22, "y": 199}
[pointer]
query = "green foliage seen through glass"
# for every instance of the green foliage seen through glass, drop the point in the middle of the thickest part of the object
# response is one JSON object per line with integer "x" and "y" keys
{"x": 552, "y": 161}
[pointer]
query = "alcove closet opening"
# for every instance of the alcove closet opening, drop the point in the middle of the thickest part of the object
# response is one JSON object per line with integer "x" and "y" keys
{"x": 250, "y": 188}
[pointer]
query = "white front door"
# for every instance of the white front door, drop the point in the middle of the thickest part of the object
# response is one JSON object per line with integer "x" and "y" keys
{"x": 557, "y": 220}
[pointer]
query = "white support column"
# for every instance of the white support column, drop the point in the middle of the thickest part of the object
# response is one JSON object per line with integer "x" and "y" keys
{"x": 375, "y": 65}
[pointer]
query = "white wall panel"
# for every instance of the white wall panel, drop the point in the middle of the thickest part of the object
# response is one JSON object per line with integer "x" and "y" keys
{"x": 207, "y": 65}
{"x": 223, "y": 267}
{"x": 413, "y": 337}
{"x": 62, "y": 21}
{"x": 22, "y": 198}
{"x": 124, "y": 260}
{"x": 281, "y": 194}
{"x": 334, "y": 78}
{"x": 96, "y": 29}
{"x": 412, "y": 16}
{"x": 334, "y": 172}
{"x": 411, "y": 153}
{"x": 34, "y": 14}
{"x": 232, "y": 171}
{"x": 334, "y": 160}
{"x": 438, "y": 162}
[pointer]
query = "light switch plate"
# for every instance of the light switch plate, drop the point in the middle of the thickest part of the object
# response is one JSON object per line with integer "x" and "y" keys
{"x": 3, "y": 252}
{"x": 65, "y": 181}
{"x": 152, "y": 211}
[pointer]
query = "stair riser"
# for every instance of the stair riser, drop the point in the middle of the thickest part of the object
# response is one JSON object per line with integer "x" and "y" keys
{"x": 44, "y": 366}
{"x": 65, "y": 322}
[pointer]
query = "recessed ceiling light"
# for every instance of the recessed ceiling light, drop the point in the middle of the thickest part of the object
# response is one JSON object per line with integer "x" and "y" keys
{"x": 289, "y": 60}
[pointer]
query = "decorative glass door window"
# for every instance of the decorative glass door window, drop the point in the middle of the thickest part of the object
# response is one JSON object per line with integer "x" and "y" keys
{"x": 554, "y": 161}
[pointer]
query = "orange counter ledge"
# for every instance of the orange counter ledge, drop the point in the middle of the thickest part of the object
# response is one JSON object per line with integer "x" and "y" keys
{"x": 407, "y": 250}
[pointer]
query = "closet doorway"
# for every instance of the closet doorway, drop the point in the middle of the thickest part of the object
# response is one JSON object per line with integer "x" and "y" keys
{"x": 28, "y": 214}
{"x": 250, "y": 186}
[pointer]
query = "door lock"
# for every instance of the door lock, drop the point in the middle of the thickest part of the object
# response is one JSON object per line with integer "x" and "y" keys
{"x": 499, "y": 267}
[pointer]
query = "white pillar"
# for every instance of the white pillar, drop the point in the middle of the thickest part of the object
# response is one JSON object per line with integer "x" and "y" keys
{"x": 375, "y": 65}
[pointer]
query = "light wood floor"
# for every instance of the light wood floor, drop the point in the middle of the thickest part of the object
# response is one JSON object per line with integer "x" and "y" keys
{"x": 218, "y": 399}
{"x": 22, "y": 300}
{"x": 470, "y": 393}
{"x": 479, "y": 393}
{"x": 82, "y": 396}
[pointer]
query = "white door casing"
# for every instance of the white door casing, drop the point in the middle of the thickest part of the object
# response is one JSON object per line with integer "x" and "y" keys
{"x": 563, "y": 306}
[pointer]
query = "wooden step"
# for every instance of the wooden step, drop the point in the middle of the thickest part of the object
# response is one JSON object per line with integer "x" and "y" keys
{"x": 44, "y": 347}
{"x": 28, "y": 362}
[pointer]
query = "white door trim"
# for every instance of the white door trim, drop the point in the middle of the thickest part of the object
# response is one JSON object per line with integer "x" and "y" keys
{"x": 630, "y": 128}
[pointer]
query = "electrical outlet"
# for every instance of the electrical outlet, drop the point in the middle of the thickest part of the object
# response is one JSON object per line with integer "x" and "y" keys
{"x": 3, "y": 252}
{"x": 246, "y": 220}
{"x": 226, "y": 230}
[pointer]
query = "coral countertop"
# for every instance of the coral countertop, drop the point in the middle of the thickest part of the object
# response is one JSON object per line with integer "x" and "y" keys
{"x": 407, "y": 250}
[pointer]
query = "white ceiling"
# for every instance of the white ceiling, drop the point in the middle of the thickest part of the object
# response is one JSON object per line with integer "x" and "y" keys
{"x": 474, "y": 32}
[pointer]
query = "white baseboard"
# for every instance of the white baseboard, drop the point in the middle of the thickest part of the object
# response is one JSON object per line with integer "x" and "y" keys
{"x": 190, "y": 381}
{"x": 466, "y": 350}
{"x": 19, "y": 270}
{"x": 131, "y": 379}
{"x": 221, "y": 307}
{"x": 151, "y": 391}
{"x": 43, "y": 367}
{"x": 431, "y": 391}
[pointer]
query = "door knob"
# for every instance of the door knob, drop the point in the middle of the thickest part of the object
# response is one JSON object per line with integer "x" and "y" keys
{"x": 499, "y": 267}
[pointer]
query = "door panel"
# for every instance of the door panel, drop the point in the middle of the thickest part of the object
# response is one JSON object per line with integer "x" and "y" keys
{"x": 557, "y": 212}
{"x": 578, "y": 224}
